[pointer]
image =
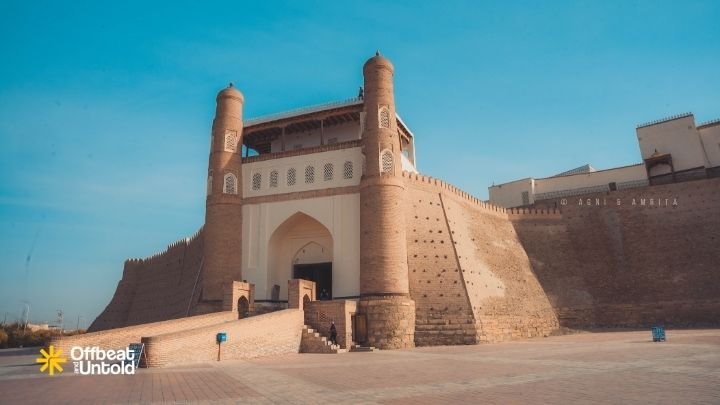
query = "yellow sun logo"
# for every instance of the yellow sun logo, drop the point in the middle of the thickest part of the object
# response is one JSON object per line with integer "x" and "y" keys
{"x": 51, "y": 361}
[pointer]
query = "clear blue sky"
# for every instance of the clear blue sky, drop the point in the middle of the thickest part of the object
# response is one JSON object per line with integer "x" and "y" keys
{"x": 105, "y": 107}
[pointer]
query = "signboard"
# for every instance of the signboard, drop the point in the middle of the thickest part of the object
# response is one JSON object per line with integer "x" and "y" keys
{"x": 137, "y": 350}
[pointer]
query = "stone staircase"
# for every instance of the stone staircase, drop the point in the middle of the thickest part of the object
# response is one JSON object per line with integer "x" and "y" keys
{"x": 358, "y": 348}
{"x": 313, "y": 342}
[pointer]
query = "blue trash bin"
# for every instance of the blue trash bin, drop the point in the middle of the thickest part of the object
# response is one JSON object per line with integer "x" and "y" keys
{"x": 658, "y": 333}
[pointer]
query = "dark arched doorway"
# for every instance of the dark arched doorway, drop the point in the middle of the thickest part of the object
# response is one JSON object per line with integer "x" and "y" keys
{"x": 243, "y": 307}
{"x": 301, "y": 248}
{"x": 320, "y": 273}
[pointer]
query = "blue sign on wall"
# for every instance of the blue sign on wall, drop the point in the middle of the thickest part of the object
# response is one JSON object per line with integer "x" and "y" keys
{"x": 221, "y": 337}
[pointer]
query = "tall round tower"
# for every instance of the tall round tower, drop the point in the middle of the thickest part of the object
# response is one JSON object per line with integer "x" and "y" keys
{"x": 223, "y": 210}
{"x": 384, "y": 289}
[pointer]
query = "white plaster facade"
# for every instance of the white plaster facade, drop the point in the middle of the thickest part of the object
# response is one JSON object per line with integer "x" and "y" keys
{"x": 313, "y": 230}
{"x": 710, "y": 136}
{"x": 581, "y": 182}
{"x": 680, "y": 138}
{"x": 275, "y": 234}
{"x": 689, "y": 146}
{"x": 511, "y": 194}
{"x": 345, "y": 164}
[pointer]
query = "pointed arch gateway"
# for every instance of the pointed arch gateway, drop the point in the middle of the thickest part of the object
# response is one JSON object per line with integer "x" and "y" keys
{"x": 301, "y": 247}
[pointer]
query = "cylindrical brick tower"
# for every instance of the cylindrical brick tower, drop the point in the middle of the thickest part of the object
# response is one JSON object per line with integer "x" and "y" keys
{"x": 223, "y": 210}
{"x": 384, "y": 290}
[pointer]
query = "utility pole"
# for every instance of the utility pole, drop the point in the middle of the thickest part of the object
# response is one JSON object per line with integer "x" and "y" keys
{"x": 60, "y": 319}
{"x": 77, "y": 328}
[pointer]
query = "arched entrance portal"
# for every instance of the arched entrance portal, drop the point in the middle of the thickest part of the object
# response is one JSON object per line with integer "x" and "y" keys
{"x": 311, "y": 263}
{"x": 243, "y": 307}
{"x": 301, "y": 247}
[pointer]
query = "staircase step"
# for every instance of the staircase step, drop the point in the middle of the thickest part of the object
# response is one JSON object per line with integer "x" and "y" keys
{"x": 317, "y": 343}
{"x": 358, "y": 348}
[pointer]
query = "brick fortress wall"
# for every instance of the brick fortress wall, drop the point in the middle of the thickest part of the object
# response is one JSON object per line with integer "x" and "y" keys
{"x": 120, "y": 338}
{"x": 469, "y": 276}
{"x": 164, "y": 286}
{"x": 263, "y": 335}
{"x": 630, "y": 265}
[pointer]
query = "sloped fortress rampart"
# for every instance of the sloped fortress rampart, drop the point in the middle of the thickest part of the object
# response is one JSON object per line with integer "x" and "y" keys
{"x": 330, "y": 219}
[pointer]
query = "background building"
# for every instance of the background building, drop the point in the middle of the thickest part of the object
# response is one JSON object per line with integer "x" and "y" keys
{"x": 672, "y": 149}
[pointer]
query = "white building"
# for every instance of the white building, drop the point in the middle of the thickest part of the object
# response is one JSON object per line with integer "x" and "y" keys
{"x": 672, "y": 149}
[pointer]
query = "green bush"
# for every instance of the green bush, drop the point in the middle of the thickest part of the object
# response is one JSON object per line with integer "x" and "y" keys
{"x": 14, "y": 336}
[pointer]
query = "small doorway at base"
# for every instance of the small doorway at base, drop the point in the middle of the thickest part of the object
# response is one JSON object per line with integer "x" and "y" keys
{"x": 320, "y": 273}
{"x": 243, "y": 308}
{"x": 359, "y": 328}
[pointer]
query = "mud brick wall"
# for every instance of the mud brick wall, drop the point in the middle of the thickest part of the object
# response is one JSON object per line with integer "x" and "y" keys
{"x": 443, "y": 313}
{"x": 506, "y": 297}
{"x": 263, "y": 335}
{"x": 469, "y": 276}
{"x": 157, "y": 288}
{"x": 120, "y": 338}
{"x": 627, "y": 265}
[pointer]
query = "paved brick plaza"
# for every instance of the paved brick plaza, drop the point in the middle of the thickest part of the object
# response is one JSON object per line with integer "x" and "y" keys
{"x": 612, "y": 368}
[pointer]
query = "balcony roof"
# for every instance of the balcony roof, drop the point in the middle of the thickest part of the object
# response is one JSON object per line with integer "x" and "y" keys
{"x": 260, "y": 132}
